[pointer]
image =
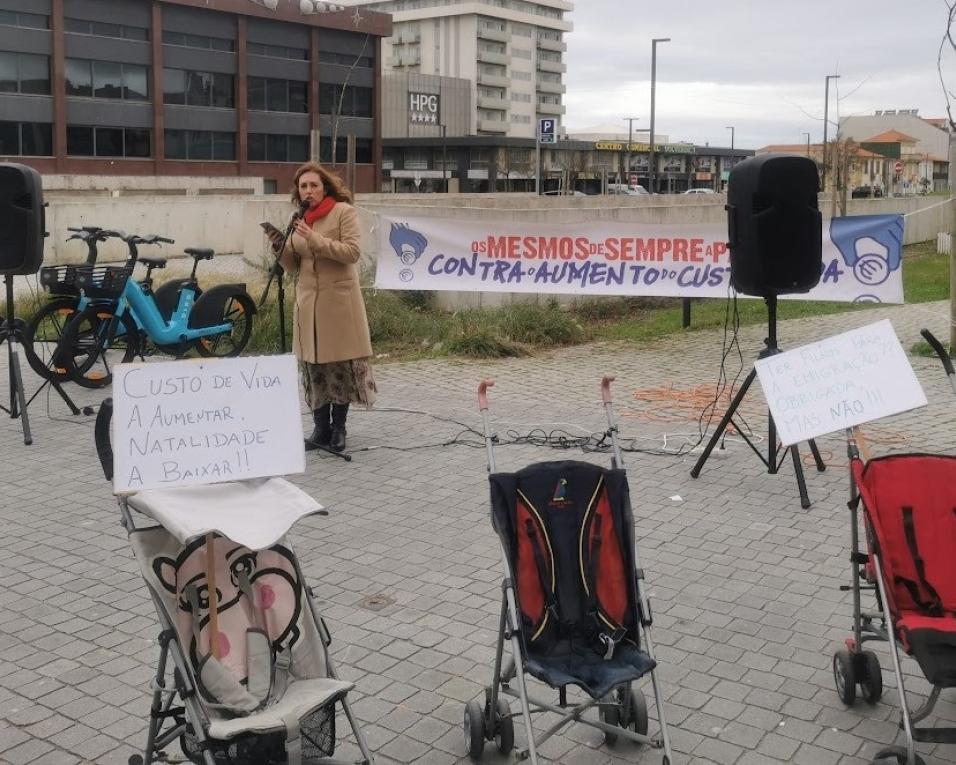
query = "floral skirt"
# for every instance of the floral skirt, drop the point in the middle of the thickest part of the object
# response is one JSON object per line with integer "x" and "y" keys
{"x": 339, "y": 382}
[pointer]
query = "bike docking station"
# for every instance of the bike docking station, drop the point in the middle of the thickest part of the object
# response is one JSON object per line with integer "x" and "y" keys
{"x": 774, "y": 228}
{"x": 23, "y": 227}
{"x": 277, "y": 273}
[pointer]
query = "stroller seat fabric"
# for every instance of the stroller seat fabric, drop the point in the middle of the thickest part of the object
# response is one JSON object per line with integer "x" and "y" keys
{"x": 910, "y": 504}
{"x": 566, "y": 528}
{"x": 269, "y": 671}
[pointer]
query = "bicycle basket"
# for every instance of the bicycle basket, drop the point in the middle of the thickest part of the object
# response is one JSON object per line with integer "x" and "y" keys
{"x": 59, "y": 280}
{"x": 102, "y": 281}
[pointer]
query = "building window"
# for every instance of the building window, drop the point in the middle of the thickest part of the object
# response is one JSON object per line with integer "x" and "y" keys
{"x": 521, "y": 53}
{"x": 102, "y": 141}
{"x": 26, "y": 20}
{"x": 98, "y": 28}
{"x": 277, "y": 51}
{"x": 363, "y": 150}
{"x": 203, "y": 42}
{"x": 24, "y": 73}
{"x": 200, "y": 144}
{"x": 189, "y": 88}
{"x": 266, "y": 147}
{"x": 356, "y": 101}
{"x": 345, "y": 59}
{"x": 272, "y": 95}
{"x": 107, "y": 79}
{"x": 26, "y": 139}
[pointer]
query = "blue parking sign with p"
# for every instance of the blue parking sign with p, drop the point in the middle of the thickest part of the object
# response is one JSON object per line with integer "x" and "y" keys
{"x": 546, "y": 131}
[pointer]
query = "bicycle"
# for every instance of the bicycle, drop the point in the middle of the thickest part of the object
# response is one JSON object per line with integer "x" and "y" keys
{"x": 108, "y": 331}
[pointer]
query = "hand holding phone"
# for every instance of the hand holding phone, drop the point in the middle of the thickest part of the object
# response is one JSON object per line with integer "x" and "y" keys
{"x": 275, "y": 236}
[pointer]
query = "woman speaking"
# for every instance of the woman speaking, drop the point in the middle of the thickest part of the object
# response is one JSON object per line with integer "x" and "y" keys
{"x": 330, "y": 329}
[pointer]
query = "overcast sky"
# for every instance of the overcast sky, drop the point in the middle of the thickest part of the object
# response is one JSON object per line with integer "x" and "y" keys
{"x": 758, "y": 65}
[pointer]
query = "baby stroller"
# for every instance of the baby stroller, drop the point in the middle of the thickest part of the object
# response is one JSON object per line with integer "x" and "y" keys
{"x": 909, "y": 505}
{"x": 264, "y": 692}
{"x": 573, "y": 601}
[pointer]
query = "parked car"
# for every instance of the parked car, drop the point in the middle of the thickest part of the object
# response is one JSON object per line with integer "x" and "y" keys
{"x": 700, "y": 191}
{"x": 560, "y": 193}
{"x": 632, "y": 191}
{"x": 865, "y": 192}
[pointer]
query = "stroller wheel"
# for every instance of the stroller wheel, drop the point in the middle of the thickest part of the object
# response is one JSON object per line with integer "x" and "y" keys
{"x": 844, "y": 676}
{"x": 475, "y": 729}
{"x": 894, "y": 755}
{"x": 637, "y": 713}
{"x": 872, "y": 682}
{"x": 135, "y": 759}
{"x": 504, "y": 727}
{"x": 610, "y": 714}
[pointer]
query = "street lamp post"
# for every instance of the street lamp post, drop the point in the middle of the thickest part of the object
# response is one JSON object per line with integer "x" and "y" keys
{"x": 731, "y": 129}
{"x": 803, "y": 132}
{"x": 651, "y": 168}
{"x": 630, "y": 140}
{"x": 826, "y": 124}
{"x": 444, "y": 160}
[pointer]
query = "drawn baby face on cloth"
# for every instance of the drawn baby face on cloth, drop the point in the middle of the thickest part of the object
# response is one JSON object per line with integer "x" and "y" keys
{"x": 275, "y": 586}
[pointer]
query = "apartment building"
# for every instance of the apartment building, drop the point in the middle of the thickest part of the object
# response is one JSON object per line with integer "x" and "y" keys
{"x": 189, "y": 87}
{"x": 513, "y": 50}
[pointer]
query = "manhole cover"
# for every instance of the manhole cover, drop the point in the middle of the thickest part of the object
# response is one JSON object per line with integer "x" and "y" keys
{"x": 376, "y": 602}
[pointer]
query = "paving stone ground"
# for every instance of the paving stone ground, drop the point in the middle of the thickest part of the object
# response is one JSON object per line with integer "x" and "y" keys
{"x": 745, "y": 583}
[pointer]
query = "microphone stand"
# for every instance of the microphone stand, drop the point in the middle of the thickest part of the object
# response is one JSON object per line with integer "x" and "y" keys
{"x": 277, "y": 272}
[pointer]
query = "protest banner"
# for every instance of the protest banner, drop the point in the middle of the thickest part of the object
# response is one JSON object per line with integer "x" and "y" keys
{"x": 181, "y": 423}
{"x": 845, "y": 380}
{"x": 862, "y": 258}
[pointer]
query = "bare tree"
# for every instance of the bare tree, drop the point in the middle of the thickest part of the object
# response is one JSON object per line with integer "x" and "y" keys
{"x": 337, "y": 112}
{"x": 947, "y": 43}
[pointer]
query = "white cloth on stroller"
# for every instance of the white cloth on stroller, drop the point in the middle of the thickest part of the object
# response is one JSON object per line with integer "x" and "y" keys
{"x": 255, "y": 513}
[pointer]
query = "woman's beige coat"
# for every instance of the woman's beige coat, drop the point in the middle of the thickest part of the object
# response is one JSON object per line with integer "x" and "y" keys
{"x": 329, "y": 322}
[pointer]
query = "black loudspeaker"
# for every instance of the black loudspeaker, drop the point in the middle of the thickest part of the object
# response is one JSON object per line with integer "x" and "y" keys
{"x": 22, "y": 220}
{"x": 774, "y": 225}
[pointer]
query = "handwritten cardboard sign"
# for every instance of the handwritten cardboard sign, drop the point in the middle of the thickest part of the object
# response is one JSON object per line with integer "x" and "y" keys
{"x": 845, "y": 380}
{"x": 181, "y": 423}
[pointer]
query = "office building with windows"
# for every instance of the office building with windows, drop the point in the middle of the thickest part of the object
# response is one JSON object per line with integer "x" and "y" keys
{"x": 513, "y": 50}
{"x": 190, "y": 87}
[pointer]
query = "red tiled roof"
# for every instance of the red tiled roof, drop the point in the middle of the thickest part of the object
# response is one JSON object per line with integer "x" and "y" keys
{"x": 890, "y": 136}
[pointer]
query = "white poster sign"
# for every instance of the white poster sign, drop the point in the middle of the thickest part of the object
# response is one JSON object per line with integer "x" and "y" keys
{"x": 845, "y": 380}
{"x": 180, "y": 423}
{"x": 862, "y": 258}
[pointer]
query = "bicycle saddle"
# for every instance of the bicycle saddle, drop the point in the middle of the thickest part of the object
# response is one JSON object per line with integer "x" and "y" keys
{"x": 200, "y": 253}
{"x": 154, "y": 262}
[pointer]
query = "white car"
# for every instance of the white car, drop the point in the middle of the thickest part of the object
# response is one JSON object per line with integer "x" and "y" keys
{"x": 700, "y": 191}
{"x": 631, "y": 191}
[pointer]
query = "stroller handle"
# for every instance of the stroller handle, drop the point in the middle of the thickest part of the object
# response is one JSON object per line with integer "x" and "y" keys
{"x": 606, "y": 388}
{"x": 101, "y": 435}
{"x": 939, "y": 350}
{"x": 483, "y": 393}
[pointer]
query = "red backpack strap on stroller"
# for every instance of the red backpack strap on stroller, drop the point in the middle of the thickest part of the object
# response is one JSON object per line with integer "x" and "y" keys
{"x": 535, "y": 571}
{"x": 934, "y": 605}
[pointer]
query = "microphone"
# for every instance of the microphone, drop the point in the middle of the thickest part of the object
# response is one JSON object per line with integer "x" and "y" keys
{"x": 303, "y": 208}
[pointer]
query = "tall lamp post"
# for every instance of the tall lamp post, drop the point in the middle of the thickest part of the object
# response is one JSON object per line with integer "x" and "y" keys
{"x": 826, "y": 124}
{"x": 803, "y": 132}
{"x": 651, "y": 168}
{"x": 731, "y": 129}
{"x": 630, "y": 139}
{"x": 444, "y": 159}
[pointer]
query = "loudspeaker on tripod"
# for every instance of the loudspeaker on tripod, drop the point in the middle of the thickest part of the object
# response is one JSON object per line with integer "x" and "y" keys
{"x": 774, "y": 225}
{"x": 22, "y": 220}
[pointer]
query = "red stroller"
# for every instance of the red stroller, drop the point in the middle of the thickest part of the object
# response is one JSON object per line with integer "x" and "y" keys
{"x": 909, "y": 503}
{"x": 573, "y": 602}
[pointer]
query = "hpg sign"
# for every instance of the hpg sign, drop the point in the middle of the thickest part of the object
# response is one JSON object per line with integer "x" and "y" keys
{"x": 424, "y": 108}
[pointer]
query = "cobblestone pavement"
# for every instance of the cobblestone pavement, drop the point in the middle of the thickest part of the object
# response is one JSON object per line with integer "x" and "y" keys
{"x": 745, "y": 583}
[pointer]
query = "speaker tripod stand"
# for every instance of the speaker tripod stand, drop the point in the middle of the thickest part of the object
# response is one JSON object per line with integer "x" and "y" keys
{"x": 773, "y": 460}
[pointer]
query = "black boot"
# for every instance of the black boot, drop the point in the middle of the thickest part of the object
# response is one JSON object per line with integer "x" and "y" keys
{"x": 337, "y": 440}
{"x": 322, "y": 431}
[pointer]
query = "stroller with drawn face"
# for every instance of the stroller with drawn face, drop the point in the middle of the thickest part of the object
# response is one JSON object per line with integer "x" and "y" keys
{"x": 251, "y": 678}
{"x": 909, "y": 513}
{"x": 573, "y": 602}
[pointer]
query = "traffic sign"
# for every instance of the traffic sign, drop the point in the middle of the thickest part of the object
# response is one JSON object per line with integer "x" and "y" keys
{"x": 898, "y": 167}
{"x": 547, "y": 130}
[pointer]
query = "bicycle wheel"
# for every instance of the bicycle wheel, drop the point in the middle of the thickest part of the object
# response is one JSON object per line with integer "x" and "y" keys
{"x": 238, "y": 310}
{"x": 94, "y": 341}
{"x": 42, "y": 334}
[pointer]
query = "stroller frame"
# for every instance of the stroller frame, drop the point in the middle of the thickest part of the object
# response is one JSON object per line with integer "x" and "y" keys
{"x": 495, "y": 720}
{"x": 852, "y": 665}
{"x": 168, "y": 722}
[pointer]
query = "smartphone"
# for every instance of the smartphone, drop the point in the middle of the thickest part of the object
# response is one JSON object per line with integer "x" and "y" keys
{"x": 269, "y": 228}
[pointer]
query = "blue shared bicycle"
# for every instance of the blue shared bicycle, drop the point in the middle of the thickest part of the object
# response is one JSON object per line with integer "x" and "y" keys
{"x": 123, "y": 315}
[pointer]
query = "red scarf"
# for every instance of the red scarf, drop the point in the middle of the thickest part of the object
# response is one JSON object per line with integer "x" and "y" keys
{"x": 318, "y": 212}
